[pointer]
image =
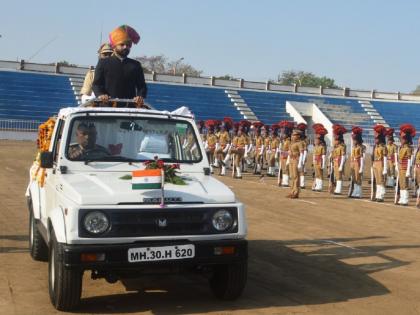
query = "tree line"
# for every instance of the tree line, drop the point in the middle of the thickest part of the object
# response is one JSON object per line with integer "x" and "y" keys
{"x": 162, "y": 64}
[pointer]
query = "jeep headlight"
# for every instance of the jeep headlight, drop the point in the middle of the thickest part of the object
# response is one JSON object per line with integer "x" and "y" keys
{"x": 96, "y": 222}
{"x": 222, "y": 220}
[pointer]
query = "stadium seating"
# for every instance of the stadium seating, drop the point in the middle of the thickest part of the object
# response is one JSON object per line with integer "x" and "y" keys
{"x": 397, "y": 113}
{"x": 33, "y": 96}
{"x": 271, "y": 107}
{"x": 204, "y": 102}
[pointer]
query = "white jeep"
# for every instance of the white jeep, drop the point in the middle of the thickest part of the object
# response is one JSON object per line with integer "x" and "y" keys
{"x": 86, "y": 215}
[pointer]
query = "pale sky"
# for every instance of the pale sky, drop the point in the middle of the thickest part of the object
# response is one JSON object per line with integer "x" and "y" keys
{"x": 368, "y": 44}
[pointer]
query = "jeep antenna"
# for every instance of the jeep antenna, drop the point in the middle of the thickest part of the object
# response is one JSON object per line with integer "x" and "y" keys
{"x": 43, "y": 47}
{"x": 100, "y": 34}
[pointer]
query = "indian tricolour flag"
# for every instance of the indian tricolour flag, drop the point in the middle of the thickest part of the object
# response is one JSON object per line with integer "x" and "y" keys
{"x": 146, "y": 179}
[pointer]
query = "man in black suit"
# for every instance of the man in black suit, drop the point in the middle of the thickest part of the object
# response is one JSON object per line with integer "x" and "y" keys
{"x": 119, "y": 76}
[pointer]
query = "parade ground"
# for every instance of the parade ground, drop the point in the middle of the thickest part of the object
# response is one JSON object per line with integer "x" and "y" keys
{"x": 320, "y": 254}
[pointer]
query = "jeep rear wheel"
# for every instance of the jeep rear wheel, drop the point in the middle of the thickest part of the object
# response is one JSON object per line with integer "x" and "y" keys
{"x": 37, "y": 246}
{"x": 65, "y": 285}
{"x": 228, "y": 281}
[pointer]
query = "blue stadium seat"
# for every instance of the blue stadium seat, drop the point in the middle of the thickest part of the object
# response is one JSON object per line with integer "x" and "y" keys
{"x": 271, "y": 107}
{"x": 204, "y": 102}
{"x": 33, "y": 96}
{"x": 397, "y": 113}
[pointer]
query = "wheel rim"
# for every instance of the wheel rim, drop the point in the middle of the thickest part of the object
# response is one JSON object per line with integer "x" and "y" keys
{"x": 52, "y": 268}
{"x": 31, "y": 231}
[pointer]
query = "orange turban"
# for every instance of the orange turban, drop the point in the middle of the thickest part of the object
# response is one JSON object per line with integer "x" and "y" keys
{"x": 123, "y": 34}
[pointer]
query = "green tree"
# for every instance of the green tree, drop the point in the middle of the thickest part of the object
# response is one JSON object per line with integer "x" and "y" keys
{"x": 176, "y": 67}
{"x": 227, "y": 77}
{"x": 303, "y": 78}
{"x": 416, "y": 91}
{"x": 64, "y": 63}
{"x": 161, "y": 64}
{"x": 153, "y": 63}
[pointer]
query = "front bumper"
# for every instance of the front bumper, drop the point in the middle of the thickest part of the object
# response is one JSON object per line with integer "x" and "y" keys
{"x": 116, "y": 255}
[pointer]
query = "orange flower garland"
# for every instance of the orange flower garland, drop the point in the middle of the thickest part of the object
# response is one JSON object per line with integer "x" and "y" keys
{"x": 45, "y": 132}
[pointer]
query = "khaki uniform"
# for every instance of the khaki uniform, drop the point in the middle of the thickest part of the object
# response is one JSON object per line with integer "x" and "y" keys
{"x": 259, "y": 142}
{"x": 337, "y": 154}
{"x": 223, "y": 140}
{"x": 274, "y": 144}
{"x": 295, "y": 150}
{"x": 356, "y": 163}
{"x": 417, "y": 167}
{"x": 318, "y": 152}
{"x": 211, "y": 146}
{"x": 379, "y": 153}
{"x": 267, "y": 142}
{"x": 239, "y": 143}
{"x": 391, "y": 150}
{"x": 190, "y": 147}
{"x": 284, "y": 153}
{"x": 305, "y": 143}
{"x": 87, "y": 83}
{"x": 404, "y": 155}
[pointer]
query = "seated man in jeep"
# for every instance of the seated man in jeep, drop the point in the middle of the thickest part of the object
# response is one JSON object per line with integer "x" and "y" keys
{"x": 86, "y": 143}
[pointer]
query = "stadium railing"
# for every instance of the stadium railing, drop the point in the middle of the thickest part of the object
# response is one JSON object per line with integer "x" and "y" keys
{"x": 212, "y": 81}
{"x": 19, "y": 125}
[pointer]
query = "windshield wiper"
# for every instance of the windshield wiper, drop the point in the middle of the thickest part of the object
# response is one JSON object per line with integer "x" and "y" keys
{"x": 168, "y": 160}
{"x": 112, "y": 159}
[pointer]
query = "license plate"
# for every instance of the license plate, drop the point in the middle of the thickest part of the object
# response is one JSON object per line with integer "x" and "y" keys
{"x": 161, "y": 253}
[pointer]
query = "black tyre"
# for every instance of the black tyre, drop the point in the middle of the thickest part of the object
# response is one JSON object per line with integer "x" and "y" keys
{"x": 37, "y": 246}
{"x": 65, "y": 285}
{"x": 228, "y": 281}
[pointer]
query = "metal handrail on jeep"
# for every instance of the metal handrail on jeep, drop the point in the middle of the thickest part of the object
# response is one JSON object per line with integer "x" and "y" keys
{"x": 112, "y": 102}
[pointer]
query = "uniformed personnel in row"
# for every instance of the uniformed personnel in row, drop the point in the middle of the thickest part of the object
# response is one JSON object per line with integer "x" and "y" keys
{"x": 379, "y": 162}
{"x": 319, "y": 156}
{"x": 337, "y": 159}
{"x": 391, "y": 153}
{"x": 295, "y": 162}
{"x": 407, "y": 133}
{"x": 357, "y": 161}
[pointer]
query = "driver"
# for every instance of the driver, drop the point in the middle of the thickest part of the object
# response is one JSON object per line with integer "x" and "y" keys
{"x": 86, "y": 142}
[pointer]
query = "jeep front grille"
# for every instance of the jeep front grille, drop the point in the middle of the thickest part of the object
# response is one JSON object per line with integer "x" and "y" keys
{"x": 159, "y": 222}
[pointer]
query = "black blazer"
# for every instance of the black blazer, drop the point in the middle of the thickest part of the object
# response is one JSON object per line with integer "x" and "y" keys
{"x": 119, "y": 78}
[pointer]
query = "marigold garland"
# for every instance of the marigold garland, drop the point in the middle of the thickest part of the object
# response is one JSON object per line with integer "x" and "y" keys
{"x": 45, "y": 131}
{"x": 170, "y": 171}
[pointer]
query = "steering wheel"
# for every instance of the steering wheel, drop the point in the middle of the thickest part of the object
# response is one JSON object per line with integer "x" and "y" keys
{"x": 95, "y": 153}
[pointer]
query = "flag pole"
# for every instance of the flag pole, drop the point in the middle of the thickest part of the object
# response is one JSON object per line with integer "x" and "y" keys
{"x": 162, "y": 201}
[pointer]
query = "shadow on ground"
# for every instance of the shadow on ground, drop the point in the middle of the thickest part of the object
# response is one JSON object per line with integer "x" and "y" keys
{"x": 14, "y": 238}
{"x": 278, "y": 275}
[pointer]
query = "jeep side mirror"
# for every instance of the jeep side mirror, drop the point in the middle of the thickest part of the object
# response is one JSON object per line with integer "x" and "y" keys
{"x": 46, "y": 158}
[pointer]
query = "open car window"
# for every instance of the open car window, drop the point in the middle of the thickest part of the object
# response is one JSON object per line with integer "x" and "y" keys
{"x": 132, "y": 139}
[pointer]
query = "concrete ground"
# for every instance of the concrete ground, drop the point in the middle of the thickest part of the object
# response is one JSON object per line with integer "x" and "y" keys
{"x": 319, "y": 254}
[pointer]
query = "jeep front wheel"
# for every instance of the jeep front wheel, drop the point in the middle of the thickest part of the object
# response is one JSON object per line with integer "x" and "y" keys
{"x": 228, "y": 281}
{"x": 65, "y": 285}
{"x": 37, "y": 246}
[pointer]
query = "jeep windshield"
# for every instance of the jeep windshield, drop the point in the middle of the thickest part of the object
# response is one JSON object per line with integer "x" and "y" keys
{"x": 129, "y": 139}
